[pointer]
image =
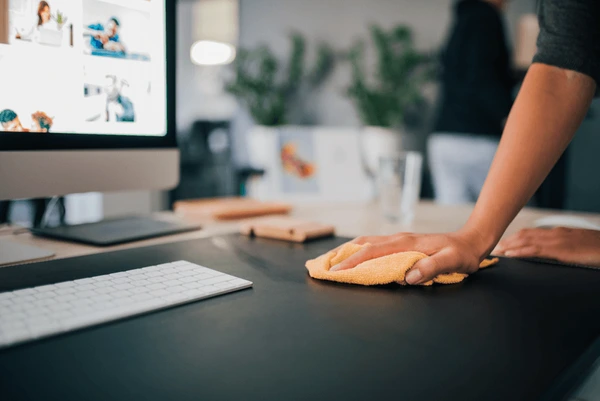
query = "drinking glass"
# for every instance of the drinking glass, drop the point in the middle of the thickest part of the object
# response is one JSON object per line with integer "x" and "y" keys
{"x": 399, "y": 184}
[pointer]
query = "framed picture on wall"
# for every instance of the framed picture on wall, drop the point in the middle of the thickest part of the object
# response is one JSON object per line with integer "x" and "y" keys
{"x": 308, "y": 164}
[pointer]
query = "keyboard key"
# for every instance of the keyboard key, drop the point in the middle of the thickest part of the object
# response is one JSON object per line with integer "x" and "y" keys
{"x": 121, "y": 280}
{"x": 86, "y": 287}
{"x": 66, "y": 284}
{"x": 156, "y": 286}
{"x": 119, "y": 294}
{"x": 193, "y": 285}
{"x": 105, "y": 290}
{"x": 84, "y": 281}
{"x": 187, "y": 279}
{"x": 27, "y": 291}
{"x": 215, "y": 280}
{"x": 224, "y": 285}
{"x": 142, "y": 297}
{"x": 140, "y": 290}
{"x": 125, "y": 286}
{"x": 159, "y": 293}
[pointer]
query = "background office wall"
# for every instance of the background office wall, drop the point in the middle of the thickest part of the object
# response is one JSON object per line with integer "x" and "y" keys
{"x": 340, "y": 22}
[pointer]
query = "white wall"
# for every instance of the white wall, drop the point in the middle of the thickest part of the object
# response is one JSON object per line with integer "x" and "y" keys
{"x": 200, "y": 93}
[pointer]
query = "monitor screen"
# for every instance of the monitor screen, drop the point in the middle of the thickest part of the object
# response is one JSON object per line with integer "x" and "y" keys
{"x": 84, "y": 67}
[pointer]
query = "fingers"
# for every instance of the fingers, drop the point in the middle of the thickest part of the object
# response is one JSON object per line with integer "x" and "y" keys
{"x": 366, "y": 240}
{"x": 530, "y": 243}
{"x": 524, "y": 238}
{"x": 530, "y": 251}
{"x": 367, "y": 253}
{"x": 514, "y": 242}
{"x": 445, "y": 261}
{"x": 372, "y": 251}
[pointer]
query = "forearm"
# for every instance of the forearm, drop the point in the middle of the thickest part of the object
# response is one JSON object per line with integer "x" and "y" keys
{"x": 549, "y": 109}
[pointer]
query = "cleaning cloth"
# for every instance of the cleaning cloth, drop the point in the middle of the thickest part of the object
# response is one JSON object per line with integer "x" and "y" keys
{"x": 384, "y": 270}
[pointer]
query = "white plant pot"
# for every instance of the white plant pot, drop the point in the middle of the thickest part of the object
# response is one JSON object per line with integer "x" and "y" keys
{"x": 377, "y": 142}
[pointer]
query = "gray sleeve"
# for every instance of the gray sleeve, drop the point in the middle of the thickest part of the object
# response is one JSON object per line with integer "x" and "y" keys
{"x": 570, "y": 35}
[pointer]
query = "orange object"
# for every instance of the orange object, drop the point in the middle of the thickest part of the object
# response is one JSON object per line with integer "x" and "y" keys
{"x": 293, "y": 164}
{"x": 384, "y": 270}
{"x": 229, "y": 208}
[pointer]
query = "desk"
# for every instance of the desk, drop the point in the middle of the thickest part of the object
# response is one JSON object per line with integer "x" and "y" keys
{"x": 350, "y": 219}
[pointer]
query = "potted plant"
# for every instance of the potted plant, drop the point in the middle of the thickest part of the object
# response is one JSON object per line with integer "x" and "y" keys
{"x": 387, "y": 98}
{"x": 60, "y": 18}
{"x": 268, "y": 89}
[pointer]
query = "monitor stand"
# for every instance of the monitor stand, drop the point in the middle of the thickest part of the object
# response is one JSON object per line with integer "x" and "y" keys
{"x": 15, "y": 253}
{"x": 116, "y": 231}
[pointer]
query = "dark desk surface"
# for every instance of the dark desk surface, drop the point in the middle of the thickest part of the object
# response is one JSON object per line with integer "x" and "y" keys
{"x": 513, "y": 332}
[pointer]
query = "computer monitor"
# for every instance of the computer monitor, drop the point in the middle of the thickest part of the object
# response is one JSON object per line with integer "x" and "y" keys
{"x": 87, "y": 103}
{"x": 87, "y": 97}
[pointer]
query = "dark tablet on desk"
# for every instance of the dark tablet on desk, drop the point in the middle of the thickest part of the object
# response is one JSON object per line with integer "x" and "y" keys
{"x": 116, "y": 231}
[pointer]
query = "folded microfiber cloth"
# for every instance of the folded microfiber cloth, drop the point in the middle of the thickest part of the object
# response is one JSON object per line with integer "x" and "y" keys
{"x": 384, "y": 270}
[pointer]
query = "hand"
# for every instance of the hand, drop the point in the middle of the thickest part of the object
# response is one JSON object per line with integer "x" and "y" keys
{"x": 449, "y": 253}
{"x": 567, "y": 245}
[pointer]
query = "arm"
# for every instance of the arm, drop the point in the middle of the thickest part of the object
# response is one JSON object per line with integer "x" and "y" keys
{"x": 544, "y": 119}
{"x": 546, "y": 114}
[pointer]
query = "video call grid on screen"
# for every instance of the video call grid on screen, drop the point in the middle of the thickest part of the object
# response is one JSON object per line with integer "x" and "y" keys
{"x": 84, "y": 67}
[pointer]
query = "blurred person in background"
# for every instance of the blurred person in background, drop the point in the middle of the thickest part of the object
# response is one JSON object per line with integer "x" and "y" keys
{"x": 477, "y": 89}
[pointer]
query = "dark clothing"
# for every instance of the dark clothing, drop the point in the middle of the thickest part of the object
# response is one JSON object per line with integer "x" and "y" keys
{"x": 570, "y": 35}
{"x": 476, "y": 78}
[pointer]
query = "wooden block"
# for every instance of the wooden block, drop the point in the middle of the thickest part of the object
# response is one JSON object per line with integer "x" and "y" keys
{"x": 287, "y": 229}
{"x": 229, "y": 208}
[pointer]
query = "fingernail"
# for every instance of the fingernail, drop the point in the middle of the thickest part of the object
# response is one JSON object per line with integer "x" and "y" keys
{"x": 414, "y": 277}
{"x": 335, "y": 268}
{"x": 509, "y": 253}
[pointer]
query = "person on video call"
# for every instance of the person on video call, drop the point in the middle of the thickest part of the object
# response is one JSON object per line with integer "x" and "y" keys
{"x": 9, "y": 121}
{"x": 106, "y": 37}
{"x": 554, "y": 99}
{"x": 43, "y": 19}
{"x": 41, "y": 122}
{"x": 476, "y": 99}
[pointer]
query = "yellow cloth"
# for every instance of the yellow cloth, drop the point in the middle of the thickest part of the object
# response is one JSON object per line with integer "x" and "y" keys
{"x": 383, "y": 270}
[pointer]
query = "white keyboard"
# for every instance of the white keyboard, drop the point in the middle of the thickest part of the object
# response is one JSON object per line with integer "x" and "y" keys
{"x": 47, "y": 310}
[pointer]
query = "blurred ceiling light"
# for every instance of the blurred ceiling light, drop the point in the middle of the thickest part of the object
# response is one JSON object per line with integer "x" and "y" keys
{"x": 208, "y": 52}
{"x": 216, "y": 24}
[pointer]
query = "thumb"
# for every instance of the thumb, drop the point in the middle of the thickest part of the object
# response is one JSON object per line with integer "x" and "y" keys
{"x": 428, "y": 268}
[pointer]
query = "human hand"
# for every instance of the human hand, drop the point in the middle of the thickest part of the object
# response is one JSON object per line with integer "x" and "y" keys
{"x": 567, "y": 245}
{"x": 448, "y": 253}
